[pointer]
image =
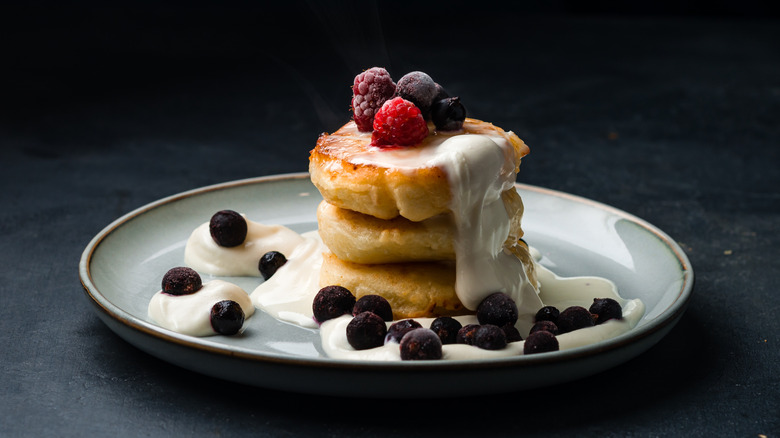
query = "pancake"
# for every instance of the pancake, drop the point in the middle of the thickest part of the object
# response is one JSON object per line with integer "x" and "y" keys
{"x": 391, "y": 182}
{"x": 360, "y": 238}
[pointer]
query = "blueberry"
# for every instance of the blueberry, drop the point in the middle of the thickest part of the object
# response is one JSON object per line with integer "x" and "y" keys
{"x": 441, "y": 93}
{"x": 420, "y": 89}
{"x": 466, "y": 334}
{"x": 270, "y": 262}
{"x": 398, "y": 329}
{"x": 574, "y": 318}
{"x": 227, "y": 317}
{"x": 548, "y": 313}
{"x": 540, "y": 342}
{"x": 332, "y": 302}
{"x": 376, "y": 304}
{"x": 448, "y": 114}
{"x": 545, "y": 326}
{"x": 446, "y": 327}
{"x": 421, "y": 344}
{"x": 489, "y": 337}
{"x": 366, "y": 330}
{"x": 228, "y": 228}
{"x": 497, "y": 309}
{"x": 512, "y": 333}
{"x": 181, "y": 281}
{"x": 606, "y": 309}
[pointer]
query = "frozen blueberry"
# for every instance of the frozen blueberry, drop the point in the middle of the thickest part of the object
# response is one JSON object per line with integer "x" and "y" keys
{"x": 270, "y": 262}
{"x": 489, "y": 337}
{"x": 228, "y": 228}
{"x": 181, "y": 281}
{"x": 447, "y": 328}
{"x": 606, "y": 309}
{"x": 332, "y": 302}
{"x": 574, "y": 318}
{"x": 546, "y": 326}
{"x": 421, "y": 344}
{"x": 448, "y": 114}
{"x": 376, "y": 304}
{"x": 497, "y": 309}
{"x": 466, "y": 334}
{"x": 512, "y": 333}
{"x": 548, "y": 313}
{"x": 366, "y": 330}
{"x": 540, "y": 342}
{"x": 227, "y": 317}
{"x": 420, "y": 89}
{"x": 398, "y": 329}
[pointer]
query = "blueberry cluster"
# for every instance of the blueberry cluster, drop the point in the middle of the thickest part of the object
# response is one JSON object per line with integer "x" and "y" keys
{"x": 551, "y": 322}
{"x": 447, "y": 113}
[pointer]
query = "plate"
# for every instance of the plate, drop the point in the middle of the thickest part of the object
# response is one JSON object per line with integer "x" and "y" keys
{"x": 122, "y": 267}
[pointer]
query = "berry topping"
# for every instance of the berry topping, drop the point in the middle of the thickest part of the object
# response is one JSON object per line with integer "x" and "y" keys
{"x": 543, "y": 325}
{"x": 548, "y": 313}
{"x": 574, "y": 318}
{"x": 446, "y": 327}
{"x": 181, "y": 281}
{"x": 441, "y": 93}
{"x": 448, "y": 114}
{"x": 466, "y": 334}
{"x": 419, "y": 88}
{"x": 227, "y": 317}
{"x": 540, "y": 342}
{"x": 606, "y": 309}
{"x": 512, "y": 333}
{"x": 421, "y": 344}
{"x": 369, "y": 91}
{"x": 332, "y": 302}
{"x": 270, "y": 262}
{"x": 228, "y": 228}
{"x": 497, "y": 309}
{"x": 398, "y": 123}
{"x": 489, "y": 337}
{"x": 376, "y": 304}
{"x": 398, "y": 329}
{"x": 366, "y": 330}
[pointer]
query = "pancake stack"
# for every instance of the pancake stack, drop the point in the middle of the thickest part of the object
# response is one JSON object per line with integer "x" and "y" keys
{"x": 388, "y": 219}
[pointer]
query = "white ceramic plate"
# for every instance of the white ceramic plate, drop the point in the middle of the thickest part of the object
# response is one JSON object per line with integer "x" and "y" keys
{"x": 122, "y": 267}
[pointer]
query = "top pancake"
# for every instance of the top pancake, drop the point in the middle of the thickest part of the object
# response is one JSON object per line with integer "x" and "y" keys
{"x": 391, "y": 182}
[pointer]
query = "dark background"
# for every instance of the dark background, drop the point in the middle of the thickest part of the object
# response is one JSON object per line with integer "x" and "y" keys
{"x": 668, "y": 110}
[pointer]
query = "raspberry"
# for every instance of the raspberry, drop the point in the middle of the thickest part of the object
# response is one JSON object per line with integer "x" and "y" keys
{"x": 369, "y": 91}
{"x": 398, "y": 123}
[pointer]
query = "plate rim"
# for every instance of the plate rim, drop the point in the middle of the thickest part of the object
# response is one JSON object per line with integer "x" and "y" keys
{"x": 665, "y": 319}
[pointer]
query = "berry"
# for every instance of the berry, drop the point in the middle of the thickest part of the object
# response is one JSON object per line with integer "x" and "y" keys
{"x": 543, "y": 325}
{"x": 548, "y": 313}
{"x": 366, "y": 330}
{"x": 420, "y": 89}
{"x": 370, "y": 90}
{"x": 540, "y": 342}
{"x": 376, "y": 304}
{"x": 489, "y": 337}
{"x": 421, "y": 344}
{"x": 181, "y": 281}
{"x": 512, "y": 333}
{"x": 448, "y": 114}
{"x": 270, "y": 262}
{"x": 332, "y": 302}
{"x": 227, "y": 317}
{"x": 398, "y": 123}
{"x": 446, "y": 327}
{"x": 228, "y": 228}
{"x": 441, "y": 93}
{"x": 574, "y": 318}
{"x": 398, "y": 329}
{"x": 466, "y": 334}
{"x": 497, "y": 309}
{"x": 606, "y": 309}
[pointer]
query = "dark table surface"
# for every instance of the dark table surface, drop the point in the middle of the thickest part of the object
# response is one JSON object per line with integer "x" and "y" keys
{"x": 671, "y": 116}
